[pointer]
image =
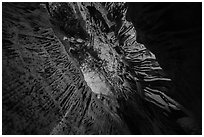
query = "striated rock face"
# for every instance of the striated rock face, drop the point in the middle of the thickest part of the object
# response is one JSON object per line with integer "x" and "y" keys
{"x": 77, "y": 68}
{"x": 43, "y": 89}
{"x": 173, "y": 32}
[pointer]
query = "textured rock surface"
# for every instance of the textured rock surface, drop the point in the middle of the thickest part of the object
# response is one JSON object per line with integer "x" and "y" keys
{"x": 173, "y": 32}
{"x": 43, "y": 89}
{"x": 77, "y": 68}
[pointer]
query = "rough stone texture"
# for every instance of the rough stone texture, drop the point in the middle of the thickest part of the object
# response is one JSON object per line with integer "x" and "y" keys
{"x": 77, "y": 68}
{"x": 173, "y": 32}
{"x": 43, "y": 89}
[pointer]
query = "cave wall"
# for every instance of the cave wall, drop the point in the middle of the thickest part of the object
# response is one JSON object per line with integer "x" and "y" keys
{"x": 44, "y": 91}
{"x": 173, "y": 32}
{"x": 52, "y": 51}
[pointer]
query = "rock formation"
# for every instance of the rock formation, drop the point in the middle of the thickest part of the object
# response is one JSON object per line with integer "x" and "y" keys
{"x": 77, "y": 68}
